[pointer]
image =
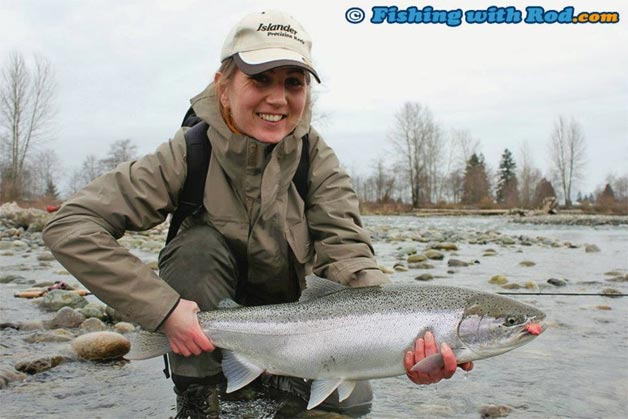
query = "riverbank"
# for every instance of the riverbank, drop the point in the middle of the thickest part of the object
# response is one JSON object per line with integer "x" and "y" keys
{"x": 569, "y": 371}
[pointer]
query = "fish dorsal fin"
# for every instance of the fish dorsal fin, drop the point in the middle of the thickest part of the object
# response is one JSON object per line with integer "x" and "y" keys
{"x": 321, "y": 389}
{"x": 429, "y": 364}
{"x": 317, "y": 287}
{"x": 238, "y": 370}
{"x": 228, "y": 303}
{"x": 345, "y": 389}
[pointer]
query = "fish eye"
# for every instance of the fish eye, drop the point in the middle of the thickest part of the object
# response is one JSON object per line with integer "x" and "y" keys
{"x": 511, "y": 321}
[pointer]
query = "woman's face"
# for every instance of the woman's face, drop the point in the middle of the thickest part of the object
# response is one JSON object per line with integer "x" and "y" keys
{"x": 266, "y": 106}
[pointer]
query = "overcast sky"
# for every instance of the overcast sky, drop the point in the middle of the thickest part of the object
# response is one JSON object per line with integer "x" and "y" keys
{"x": 126, "y": 69}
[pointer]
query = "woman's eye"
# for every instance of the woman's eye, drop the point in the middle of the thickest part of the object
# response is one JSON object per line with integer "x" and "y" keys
{"x": 294, "y": 82}
{"x": 261, "y": 78}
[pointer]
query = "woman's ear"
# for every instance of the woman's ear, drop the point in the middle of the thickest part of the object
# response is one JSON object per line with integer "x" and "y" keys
{"x": 221, "y": 90}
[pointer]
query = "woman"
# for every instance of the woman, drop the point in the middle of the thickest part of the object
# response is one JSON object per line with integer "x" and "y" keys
{"x": 256, "y": 238}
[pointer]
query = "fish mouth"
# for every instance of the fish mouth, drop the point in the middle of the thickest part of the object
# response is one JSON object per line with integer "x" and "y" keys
{"x": 532, "y": 328}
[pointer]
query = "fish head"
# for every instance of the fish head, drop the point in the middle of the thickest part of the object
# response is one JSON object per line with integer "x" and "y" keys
{"x": 493, "y": 324}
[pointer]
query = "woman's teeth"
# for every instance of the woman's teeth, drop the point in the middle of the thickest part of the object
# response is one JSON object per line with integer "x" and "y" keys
{"x": 269, "y": 117}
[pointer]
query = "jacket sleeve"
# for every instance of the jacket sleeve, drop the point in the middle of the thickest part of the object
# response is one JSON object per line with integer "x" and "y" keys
{"x": 83, "y": 234}
{"x": 343, "y": 248}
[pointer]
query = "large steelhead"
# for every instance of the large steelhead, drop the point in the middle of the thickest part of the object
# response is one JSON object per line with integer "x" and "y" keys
{"x": 336, "y": 335}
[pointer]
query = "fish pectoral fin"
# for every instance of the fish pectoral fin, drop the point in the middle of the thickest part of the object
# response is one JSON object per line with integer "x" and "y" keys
{"x": 345, "y": 389}
{"x": 429, "y": 364}
{"x": 238, "y": 370}
{"x": 321, "y": 389}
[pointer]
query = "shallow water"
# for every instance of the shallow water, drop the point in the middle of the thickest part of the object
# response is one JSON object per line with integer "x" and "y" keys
{"x": 578, "y": 368}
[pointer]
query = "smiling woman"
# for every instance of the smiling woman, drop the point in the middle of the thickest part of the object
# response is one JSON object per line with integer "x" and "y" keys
{"x": 257, "y": 235}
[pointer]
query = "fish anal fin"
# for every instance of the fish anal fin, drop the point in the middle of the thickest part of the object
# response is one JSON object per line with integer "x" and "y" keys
{"x": 316, "y": 287}
{"x": 345, "y": 389}
{"x": 429, "y": 364}
{"x": 321, "y": 389}
{"x": 238, "y": 370}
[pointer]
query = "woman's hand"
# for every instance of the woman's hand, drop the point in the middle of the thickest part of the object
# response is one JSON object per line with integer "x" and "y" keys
{"x": 184, "y": 332}
{"x": 424, "y": 347}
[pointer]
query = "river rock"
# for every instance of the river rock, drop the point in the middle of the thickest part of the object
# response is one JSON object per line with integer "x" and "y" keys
{"x": 591, "y": 248}
{"x": 39, "y": 365}
{"x": 494, "y": 411}
{"x": 400, "y": 267}
{"x": 5, "y": 279}
{"x": 489, "y": 252}
{"x": 611, "y": 292}
{"x": 56, "y": 299}
{"x": 416, "y": 258}
{"x": 527, "y": 263}
{"x": 424, "y": 277}
{"x": 101, "y": 346}
{"x": 31, "y": 325}
{"x": 422, "y": 265}
{"x": 45, "y": 257}
{"x": 434, "y": 255}
{"x": 406, "y": 251}
{"x": 66, "y": 317}
{"x": 498, "y": 280}
{"x": 557, "y": 282}
{"x": 455, "y": 263}
{"x": 93, "y": 324}
{"x": 531, "y": 285}
{"x": 445, "y": 247}
{"x": 124, "y": 327}
{"x": 93, "y": 310}
{"x": 511, "y": 286}
{"x": 57, "y": 335}
{"x": 8, "y": 375}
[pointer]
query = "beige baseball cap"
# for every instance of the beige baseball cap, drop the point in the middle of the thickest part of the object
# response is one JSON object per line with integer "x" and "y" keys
{"x": 266, "y": 40}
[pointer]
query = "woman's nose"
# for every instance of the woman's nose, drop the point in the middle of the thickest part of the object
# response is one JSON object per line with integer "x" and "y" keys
{"x": 277, "y": 95}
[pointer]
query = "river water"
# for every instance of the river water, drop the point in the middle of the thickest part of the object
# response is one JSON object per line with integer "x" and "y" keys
{"x": 578, "y": 368}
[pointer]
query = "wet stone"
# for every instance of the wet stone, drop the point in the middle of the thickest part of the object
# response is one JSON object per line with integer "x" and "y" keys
{"x": 445, "y": 246}
{"x": 511, "y": 286}
{"x": 66, "y": 317}
{"x": 8, "y": 376}
{"x": 422, "y": 265}
{"x": 557, "y": 282}
{"x": 494, "y": 411}
{"x": 5, "y": 279}
{"x": 591, "y": 248}
{"x": 498, "y": 280}
{"x": 36, "y": 366}
{"x": 424, "y": 277}
{"x": 101, "y": 346}
{"x": 456, "y": 263}
{"x": 611, "y": 292}
{"x": 124, "y": 327}
{"x": 416, "y": 258}
{"x": 386, "y": 270}
{"x": 58, "y": 335}
{"x": 46, "y": 257}
{"x": 527, "y": 263}
{"x": 93, "y": 325}
{"x": 434, "y": 255}
{"x": 400, "y": 267}
{"x": 56, "y": 299}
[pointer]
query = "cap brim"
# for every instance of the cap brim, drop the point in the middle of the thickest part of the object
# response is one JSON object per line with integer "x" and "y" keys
{"x": 255, "y": 62}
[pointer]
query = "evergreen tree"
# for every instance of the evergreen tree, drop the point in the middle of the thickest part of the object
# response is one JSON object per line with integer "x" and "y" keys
{"x": 475, "y": 184}
{"x": 51, "y": 190}
{"x": 607, "y": 197}
{"x": 507, "y": 186}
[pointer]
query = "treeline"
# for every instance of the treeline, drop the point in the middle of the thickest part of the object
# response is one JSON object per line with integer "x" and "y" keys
{"x": 432, "y": 168}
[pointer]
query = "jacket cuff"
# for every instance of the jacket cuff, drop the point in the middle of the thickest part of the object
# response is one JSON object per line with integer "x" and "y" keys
{"x": 169, "y": 313}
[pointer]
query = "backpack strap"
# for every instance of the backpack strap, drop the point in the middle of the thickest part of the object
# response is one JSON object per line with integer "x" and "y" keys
{"x": 191, "y": 197}
{"x": 301, "y": 175}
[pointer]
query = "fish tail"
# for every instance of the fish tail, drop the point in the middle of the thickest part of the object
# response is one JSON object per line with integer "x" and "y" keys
{"x": 147, "y": 345}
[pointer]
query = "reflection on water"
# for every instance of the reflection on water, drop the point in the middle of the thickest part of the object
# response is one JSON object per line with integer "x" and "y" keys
{"x": 578, "y": 368}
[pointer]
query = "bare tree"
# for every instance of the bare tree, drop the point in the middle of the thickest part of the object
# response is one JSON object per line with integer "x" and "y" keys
{"x": 418, "y": 140}
{"x": 568, "y": 155}
{"x": 46, "y": 170}
{"x": 119, "y": 152}
{"x": 26, "y": 109}
{"x": 90, "y": 169}
{"x": 529, "y": 176}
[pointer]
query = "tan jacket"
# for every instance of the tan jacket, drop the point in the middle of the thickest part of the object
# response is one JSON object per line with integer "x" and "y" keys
{"x": 249, "y": 198}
